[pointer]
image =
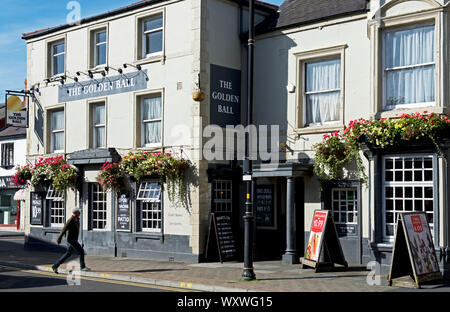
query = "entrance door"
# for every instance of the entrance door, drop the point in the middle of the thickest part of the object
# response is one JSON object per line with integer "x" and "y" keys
{"x": 346, "y": 214}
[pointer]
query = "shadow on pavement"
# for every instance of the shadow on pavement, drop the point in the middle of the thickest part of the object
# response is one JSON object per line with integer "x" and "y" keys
{"x": 15, "y": 282}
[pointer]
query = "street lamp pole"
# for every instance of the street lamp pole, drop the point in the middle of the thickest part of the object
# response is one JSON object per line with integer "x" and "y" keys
{"x": 248, "y": 274}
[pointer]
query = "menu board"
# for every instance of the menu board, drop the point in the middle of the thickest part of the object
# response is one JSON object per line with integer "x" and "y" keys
{"x": 315, "y": 236}
{"x": 421, "y": 243}
{"x": 221, "y": 229}
{"x": 123, "y": 212}
{"x": 265, "y": 208}
{"x": 36, "y": 209}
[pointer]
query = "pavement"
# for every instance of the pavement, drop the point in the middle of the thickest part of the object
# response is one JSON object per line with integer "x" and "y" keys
{"x": 272, "y": 276}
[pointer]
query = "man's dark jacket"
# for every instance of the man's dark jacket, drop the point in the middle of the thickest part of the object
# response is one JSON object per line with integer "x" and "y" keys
{"x": 72, "y": 227}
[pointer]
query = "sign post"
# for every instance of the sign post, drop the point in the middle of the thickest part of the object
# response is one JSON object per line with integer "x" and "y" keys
{"x": 414, "y": 261}
{"x": 324, "y": 248}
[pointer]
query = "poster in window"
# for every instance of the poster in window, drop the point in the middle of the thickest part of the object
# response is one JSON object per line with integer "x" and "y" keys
{"x": 265, "y": 208}
{"x": 36, "y": 209}
{"x": 123, "y": 212}
{"x": 421, "y": 243}
{"x": 315, "y": 236}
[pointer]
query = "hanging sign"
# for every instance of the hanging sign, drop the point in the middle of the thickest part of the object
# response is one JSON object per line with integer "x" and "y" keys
{"x": 36, "y": 209}
{"x": 123, "y": 212}
{"x": 221, "y": 235}
{"x": 324, "y": 248}
{"x": 414, "y": 261}
{"x": 225, "y": 100}
{"x": 16, "y": 112}
{"x": 103, "y": 87}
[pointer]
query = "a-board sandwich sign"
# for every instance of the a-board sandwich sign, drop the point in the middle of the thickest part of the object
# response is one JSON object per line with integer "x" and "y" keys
{"x": 324, "y": 249}
{"x": 220, "y": 238}
{"x": 414, "y": 260}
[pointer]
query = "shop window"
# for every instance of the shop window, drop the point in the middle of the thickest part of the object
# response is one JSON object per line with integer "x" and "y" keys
{"x": 345, "y": 205}
{"x": 407, "y": 187}
{"x": 5, "y": 201}
{"x": 57, "y": 58}
{"x": 149, "y": 200}
{"x": 222, "y": 196}
{"x": 322, "y": 93}
{"x": 151, "y": 120}
{"x": 7, "y": 155}
{"x": 100, "y": 47}
{"x": 98, "y": 206}
{"x": 98, "y": 125}
{"x": 409, "y": 67}
{"x": 57, "y": 131}
{"x": 151, "y": 36}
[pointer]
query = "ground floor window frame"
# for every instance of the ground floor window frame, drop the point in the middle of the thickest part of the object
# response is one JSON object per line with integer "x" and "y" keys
{"x": 98, "y": 207}
{"x": 149, "y": 212}
{"x": 434, "y": 227}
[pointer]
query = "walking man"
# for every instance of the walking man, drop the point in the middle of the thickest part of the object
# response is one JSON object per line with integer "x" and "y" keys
{"x": 72, "y": 227}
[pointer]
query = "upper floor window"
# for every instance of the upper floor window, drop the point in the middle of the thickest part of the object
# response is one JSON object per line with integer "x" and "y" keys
{"x": 7, "y": 155}
{"x": 98, "y": 125}
{"x": 409, "y": 67}
{"x": 152, "y": 36}
{"x": 57, "y": 58}
{"x": 57, "y": 131}
{"x": 151, "y": 122}
{"x": 100, "y": 47}
{"x": 322, "y": 93}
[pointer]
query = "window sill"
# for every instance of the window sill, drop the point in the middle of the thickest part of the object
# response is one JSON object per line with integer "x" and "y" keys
{"x": 149, "y": 235}
{"x": 51, "y": 230}
{"x": 319, "y": 129}
{"x": 383, "y": 247}
{"x": 398, "y": 111}
{"x": 150, "y": 59}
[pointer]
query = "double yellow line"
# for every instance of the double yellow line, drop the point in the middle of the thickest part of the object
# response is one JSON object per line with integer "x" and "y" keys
{"x": 101, "y": 280}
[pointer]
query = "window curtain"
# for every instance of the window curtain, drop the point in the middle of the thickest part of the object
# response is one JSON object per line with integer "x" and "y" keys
{"x": 152, "y": 109}
{"x": 57, "y": 121}
{"x": 410, "y": 47}
{"x": 323, "y": 76}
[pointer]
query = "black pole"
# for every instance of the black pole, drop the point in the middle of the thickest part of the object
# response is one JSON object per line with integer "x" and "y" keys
{"x": 248, "y": 274}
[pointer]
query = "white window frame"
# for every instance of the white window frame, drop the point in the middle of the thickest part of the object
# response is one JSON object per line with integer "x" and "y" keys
{"x": 143, "y": 122}
{"x": 98, "y": 206}
{"x": 305, "y": 94}
{"x": 54, "y": 131}
{"x": 97, "y": 126}
{"x": 386, "y": 70}
{"x": 403, "y": 184}
{"x": 346, "y": 202}
{"x": 145, "y": 32}
{"x": 53, "y": 194}
{"x": 61, "y": 207}
{"x": 225, "y": 186}
{"x": 52, "y": 68}
{"x": 96, "y": 44}
{"x": 150, "y": 205}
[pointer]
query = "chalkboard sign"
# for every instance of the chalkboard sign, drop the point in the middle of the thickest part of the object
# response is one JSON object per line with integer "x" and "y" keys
{"x": 221, "y": 232}
{"x": 414, "y": 261}
{"x": 265, "y": 209}
{"x": 36, "y": 208}
{"x": 123, "y": 212}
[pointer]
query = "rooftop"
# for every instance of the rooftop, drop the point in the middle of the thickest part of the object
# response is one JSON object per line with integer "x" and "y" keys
{"x": 263, "y": 6}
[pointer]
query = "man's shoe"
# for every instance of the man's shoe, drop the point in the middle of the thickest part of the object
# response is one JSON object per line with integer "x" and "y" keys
{"x": 55, "y": 269}
{"x": 85, "y": 269}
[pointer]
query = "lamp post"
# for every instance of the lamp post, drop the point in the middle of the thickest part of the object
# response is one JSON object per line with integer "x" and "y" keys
{"x": 248, "y": 273}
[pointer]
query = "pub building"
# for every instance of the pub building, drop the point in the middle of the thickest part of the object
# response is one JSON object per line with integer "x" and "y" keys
{"x": 317, "y": 67}
{"x": 147, "y": 77}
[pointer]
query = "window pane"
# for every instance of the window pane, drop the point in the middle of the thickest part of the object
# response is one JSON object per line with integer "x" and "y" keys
{"x": 58, "y": 141}
{"x": 58, "y": 48}
{"x": 99, "y": 133}
{"x": 153, "y": 42}
{"x": 57, "y": 120}
{"x": 100, "y": 37}
{"x": 322, "y": 107}
{"x": 151, "y": 108}
{"x": 152, "y": 132}
{"x": 58, "y": 64}
{"x": 99, "y": 114}
{"x": 323, "y": 75}
{"x": 100, "y": 54}
{"x": 153, "y": 23}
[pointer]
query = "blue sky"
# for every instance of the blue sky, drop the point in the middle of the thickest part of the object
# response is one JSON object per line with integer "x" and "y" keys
{"x": 22, "y": 16}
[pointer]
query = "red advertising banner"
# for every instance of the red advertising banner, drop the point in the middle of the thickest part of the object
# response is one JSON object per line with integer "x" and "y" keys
{"x": 315, "y": 237}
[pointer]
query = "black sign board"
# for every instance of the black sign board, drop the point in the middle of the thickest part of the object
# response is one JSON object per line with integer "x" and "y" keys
{"x": 265, "y": 208}
{"x": 414, "y": 261}
{"x": 36, "y": 208}
{"x": 225, "y": 102}
{"x": 123, "y": 212}
{"x": 221, "y": 234}
{"x": 324, "y": 248}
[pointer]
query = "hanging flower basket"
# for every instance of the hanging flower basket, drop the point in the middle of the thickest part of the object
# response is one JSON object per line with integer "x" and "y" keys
{"x": 111, "y": 176}
{"x": 339, "y": 148}
{"x": 45, "y": 172}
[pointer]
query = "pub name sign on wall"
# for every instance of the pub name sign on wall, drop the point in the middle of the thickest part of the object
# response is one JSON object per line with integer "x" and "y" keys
{"x": 103, "y": 87}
